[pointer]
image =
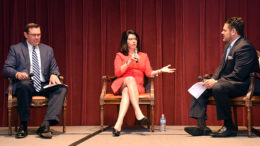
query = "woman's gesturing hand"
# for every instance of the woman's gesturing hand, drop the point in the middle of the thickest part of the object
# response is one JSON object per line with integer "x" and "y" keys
{"x": 167, "y": 69}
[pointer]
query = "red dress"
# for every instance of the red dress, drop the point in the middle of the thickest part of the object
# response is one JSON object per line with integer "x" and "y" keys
{"x": 134, "y": 69}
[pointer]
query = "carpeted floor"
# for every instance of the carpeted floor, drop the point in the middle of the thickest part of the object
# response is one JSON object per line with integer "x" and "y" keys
{"x": 130, "y": 136}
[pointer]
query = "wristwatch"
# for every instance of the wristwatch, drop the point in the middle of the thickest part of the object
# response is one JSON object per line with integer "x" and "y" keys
{"x": 55, "y": 74}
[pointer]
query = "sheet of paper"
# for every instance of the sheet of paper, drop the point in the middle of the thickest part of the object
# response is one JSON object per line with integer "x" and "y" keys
{"x": 197, "y": 89}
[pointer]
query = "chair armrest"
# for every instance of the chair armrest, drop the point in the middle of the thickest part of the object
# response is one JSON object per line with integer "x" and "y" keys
{"x": 105, "y": 79}
{"x": 152, "y": 87}
{"x": 251, "y": 88}
{"x": 255, "y": 74}
{"x": 109, "y": 78}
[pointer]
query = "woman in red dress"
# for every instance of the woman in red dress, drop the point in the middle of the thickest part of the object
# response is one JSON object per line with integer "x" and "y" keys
{"x": 130, "y": 66}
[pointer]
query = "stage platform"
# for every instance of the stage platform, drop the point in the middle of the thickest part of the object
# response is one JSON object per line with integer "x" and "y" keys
{"x": 130, "y": 136}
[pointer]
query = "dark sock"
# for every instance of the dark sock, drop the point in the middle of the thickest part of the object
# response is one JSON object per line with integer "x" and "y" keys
{"x": 201, "y": 122}
{"x": 53, "y": 122}
{"x": 23, "y": 125}
{"x": 45, "y": 124}
{"x": 228, "y": 123}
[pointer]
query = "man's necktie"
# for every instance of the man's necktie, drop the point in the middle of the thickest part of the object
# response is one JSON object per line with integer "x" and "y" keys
{"x": 36, "y": 71}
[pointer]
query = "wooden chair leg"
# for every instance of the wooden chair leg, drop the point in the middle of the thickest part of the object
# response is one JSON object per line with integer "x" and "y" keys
{"x": 16, "y": 119}
{"x": 9, "y": 121}
{"x": 64, "y": 118}
{"x": 235, "y": 115}
{"x": 101, "y": 117}
{"x": 249, "y": 126}
{"x": 148, "y": 115}
{"x": 152, "y": 118}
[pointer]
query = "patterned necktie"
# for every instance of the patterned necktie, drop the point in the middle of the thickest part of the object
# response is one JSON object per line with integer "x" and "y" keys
{"x": 36, "y": 71}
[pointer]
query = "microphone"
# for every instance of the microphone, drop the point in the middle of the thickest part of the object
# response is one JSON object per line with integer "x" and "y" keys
{"x": 136, "y": 59}
{"x": 31, "y": 74}
{"x": 200, "y": 78}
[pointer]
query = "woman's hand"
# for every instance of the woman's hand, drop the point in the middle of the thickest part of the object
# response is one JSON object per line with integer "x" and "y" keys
{"x": 135, "y": 57}
{"x": 167, "y": 69}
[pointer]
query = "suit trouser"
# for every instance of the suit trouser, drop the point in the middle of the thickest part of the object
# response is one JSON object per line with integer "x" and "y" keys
{"x": 222, "y": 91}
{"x": 24, "y": 93}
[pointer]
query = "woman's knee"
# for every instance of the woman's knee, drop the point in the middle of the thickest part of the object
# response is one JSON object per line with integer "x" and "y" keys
{"x": 129, "y": 80}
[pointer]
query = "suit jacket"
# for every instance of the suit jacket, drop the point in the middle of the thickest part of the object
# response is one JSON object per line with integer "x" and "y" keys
{"x": 18, "y": 61}
{"x": 241, "y": 61}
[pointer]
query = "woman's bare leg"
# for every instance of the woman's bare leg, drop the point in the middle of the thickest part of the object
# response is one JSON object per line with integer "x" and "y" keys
{"x": 134, "y": 96}
{"x": 123, "y": 109}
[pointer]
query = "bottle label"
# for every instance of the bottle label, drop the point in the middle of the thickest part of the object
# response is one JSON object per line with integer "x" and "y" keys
{"x": 163, "y": 121}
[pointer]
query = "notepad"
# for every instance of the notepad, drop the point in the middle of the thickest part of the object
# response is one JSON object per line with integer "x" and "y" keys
{"x": 55, "y": 85}
{"x": 197, "y": 89}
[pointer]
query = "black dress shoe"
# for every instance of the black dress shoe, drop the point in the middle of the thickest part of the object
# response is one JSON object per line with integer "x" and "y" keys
{"x": 225, "y": 132}
{"x": 116, "y": 132}
{"x": 44, "y": 132}
{"x": 21, "y": 133}
{"x": 143, "y": 121}
{"x": 198, "y": 131}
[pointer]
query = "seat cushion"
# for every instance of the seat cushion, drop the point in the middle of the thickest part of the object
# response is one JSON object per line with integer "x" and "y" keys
{"x": 37, "y": 101}
{"x": 112, "y": 96}
{"x": 238, "y": 100}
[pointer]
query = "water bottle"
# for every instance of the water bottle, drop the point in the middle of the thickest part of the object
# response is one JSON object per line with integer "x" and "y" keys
{"x": 162, "y": 124}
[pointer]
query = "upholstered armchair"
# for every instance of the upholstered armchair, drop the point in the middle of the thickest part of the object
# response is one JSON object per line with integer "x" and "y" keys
{"x": 37, "y": 102}
{"x": 111, "y": 99}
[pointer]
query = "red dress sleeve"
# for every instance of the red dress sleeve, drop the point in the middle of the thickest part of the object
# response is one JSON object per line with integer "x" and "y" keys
{"x": 118, "y": 62}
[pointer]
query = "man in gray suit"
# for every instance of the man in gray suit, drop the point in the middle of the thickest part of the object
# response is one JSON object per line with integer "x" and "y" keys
{"x": 28, "y": 57}
{"x": 231, "y": 79}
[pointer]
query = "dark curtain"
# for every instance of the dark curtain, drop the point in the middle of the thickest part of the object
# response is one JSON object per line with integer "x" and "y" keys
{"x": 85, "y": 35}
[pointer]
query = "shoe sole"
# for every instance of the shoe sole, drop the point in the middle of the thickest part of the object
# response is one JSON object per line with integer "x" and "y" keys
{"x": 46, "y": 135}
{"x": 201, "y": 133}
{"x": 232, "y": 135}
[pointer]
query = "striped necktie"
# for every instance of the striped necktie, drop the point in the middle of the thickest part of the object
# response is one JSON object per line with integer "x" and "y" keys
{"x": 36, "y": 71}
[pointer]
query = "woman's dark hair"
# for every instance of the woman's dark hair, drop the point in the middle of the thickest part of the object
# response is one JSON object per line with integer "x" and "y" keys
{"x": 124, "y": 47}
{"x": 237, "y": 23}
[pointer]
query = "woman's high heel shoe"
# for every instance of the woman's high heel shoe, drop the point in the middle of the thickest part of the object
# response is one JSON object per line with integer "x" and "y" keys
{"x": 143, "y": 121}
{"x": 116, "y": 132}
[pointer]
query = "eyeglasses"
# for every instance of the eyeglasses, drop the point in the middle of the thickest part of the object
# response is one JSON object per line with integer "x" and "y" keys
{"x": 131, "y": 39}
{"x": 35, "y": 35}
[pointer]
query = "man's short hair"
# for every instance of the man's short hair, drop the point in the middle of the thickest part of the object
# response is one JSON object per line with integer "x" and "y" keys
{"x": 30, "y": 25}
{"x": 236, "y": 23}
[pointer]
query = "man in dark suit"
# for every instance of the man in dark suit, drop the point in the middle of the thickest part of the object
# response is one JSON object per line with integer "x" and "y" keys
{"x": 231, "y": 79}
{"x": 27, "y": 57}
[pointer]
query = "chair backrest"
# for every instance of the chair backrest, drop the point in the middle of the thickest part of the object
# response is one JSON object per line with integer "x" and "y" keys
{"x": 147, "y": 84}
{"x": 258, "y": 54}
